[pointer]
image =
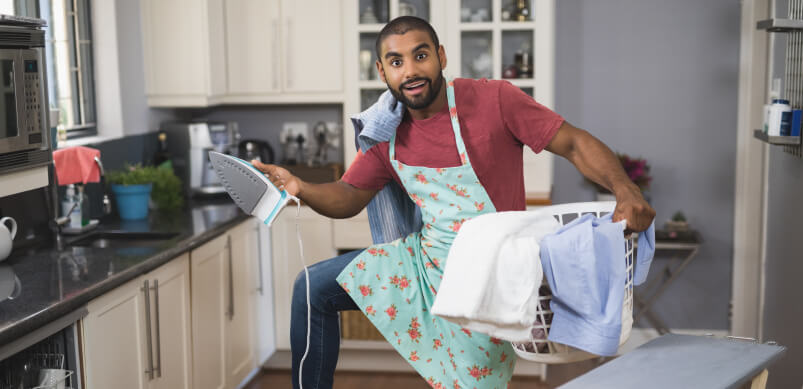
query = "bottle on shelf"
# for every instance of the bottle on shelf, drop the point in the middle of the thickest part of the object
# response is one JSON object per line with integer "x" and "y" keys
{"x": 522, "y": 11}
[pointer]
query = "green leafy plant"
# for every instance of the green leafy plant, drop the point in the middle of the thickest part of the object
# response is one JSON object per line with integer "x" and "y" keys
{"x": 166, "y": 192}
{"x": 678, "y": 217}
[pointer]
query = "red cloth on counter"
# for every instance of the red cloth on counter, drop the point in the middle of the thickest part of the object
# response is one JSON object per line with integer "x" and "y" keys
{"x": 496, "y": 120}
{"x": 75, "y": 165}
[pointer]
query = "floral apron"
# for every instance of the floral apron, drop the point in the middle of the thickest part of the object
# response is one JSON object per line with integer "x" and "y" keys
{"x": 395, "y": 283}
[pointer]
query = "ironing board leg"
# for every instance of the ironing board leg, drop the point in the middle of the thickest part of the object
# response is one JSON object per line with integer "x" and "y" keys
{"x": 760, "y": 381}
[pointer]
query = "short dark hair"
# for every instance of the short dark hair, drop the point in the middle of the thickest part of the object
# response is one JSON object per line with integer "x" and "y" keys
{"x": 401, "y": 25}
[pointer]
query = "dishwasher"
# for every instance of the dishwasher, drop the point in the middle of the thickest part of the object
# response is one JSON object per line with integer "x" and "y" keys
{"x": 46, "y": 358}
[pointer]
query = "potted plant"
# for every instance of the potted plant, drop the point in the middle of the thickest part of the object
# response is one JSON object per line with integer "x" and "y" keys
{"x": 636, "y": 168}
{"x": 678, "y": 223}
{"x": 134, "y": 186}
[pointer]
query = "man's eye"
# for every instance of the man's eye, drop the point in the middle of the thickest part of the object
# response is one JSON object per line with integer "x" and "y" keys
{"x": 395, "y": 62}
{"x": 420, "y": 56}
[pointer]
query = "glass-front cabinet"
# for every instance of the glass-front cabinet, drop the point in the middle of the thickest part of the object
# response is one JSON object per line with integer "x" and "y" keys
{"x": 506, "y": 39}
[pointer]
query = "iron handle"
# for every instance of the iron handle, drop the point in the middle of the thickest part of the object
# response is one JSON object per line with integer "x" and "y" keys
{"x": 230, "y": 310}
{"x": 147, "y": 291}
{"x": 261, "y": 288}
{"x": 158, "y": 367}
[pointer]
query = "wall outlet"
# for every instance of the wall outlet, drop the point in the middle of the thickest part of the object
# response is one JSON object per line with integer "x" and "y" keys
{"x": 293, "y": 129}
{"x": 334, "y": 133}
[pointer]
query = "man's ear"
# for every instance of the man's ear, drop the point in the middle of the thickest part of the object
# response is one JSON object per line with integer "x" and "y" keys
{"x": 442, "y": 56}
{"x": 381, "y": 71}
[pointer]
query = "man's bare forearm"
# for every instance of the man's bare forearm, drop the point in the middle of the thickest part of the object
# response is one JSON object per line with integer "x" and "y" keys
{"x": 598, "y": 163}
{"x": 337, "y": 200}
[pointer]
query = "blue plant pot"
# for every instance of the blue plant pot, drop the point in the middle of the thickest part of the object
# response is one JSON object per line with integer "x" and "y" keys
{"x": 132, "y": 200}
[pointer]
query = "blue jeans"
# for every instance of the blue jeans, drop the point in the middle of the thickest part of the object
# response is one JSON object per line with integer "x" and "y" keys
{"x": 327, "y": 298}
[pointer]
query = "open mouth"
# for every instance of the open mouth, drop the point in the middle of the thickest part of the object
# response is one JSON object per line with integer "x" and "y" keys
{"x": 415, "y": 87}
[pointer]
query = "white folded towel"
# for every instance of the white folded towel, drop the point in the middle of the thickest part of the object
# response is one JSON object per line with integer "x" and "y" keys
{"x": 492, "y": 274}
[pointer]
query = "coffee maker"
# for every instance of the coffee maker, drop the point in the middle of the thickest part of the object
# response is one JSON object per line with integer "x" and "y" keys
{"x": 189, "y": 145}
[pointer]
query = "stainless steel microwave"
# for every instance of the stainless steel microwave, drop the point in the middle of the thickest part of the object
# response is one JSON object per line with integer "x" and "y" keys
{"x": 24, "y": 131}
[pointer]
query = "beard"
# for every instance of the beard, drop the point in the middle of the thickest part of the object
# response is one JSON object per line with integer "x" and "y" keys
{"x": 425, "y": 98}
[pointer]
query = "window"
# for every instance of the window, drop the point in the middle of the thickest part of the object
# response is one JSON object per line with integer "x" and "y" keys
{"x": 68, "y": 55}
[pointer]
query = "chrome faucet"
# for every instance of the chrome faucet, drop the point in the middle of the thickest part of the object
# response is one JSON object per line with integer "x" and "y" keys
{"x": 107, "y": 205}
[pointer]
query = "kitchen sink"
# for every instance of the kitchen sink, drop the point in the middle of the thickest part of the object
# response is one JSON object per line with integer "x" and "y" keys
{"x": 117, "y": 239}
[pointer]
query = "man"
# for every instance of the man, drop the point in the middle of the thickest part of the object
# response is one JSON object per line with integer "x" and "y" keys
{"x": 458, "y": 154}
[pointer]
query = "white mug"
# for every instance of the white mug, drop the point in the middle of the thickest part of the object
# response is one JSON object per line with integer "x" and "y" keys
{"x": 53, "y": 378}
{"x": 7, "y": 236}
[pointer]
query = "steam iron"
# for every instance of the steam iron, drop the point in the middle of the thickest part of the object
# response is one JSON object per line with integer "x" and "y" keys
{"x": 250, "y": 189}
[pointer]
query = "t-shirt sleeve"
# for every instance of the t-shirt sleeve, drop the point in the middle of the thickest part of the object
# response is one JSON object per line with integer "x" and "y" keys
{"x": 528, "y": 121}
{"x": 368, "y": 170}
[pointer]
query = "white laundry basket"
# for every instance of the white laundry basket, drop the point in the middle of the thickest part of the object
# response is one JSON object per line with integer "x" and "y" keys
{"x": 541, "y": 349}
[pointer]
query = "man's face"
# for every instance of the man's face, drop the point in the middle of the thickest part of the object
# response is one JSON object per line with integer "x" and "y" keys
{"x": 412, "y": 67}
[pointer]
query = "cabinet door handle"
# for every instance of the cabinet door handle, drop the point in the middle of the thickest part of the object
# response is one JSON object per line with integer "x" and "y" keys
{"x": 275, "y": 50}
{"x": 261, "y": 288}
{"x": 230, "y": 311}
{"x": 288, "y": 68}
{"x": 158, "y": 367}
{"x": 147, "y": 291}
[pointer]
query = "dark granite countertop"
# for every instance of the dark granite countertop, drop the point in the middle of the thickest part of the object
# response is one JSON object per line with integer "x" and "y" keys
{"x": 55, "y": 283}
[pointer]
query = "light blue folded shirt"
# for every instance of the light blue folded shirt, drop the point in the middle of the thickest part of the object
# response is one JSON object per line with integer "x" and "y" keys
{"x": 584, "y": 264}
{"x": 391, "y": 213}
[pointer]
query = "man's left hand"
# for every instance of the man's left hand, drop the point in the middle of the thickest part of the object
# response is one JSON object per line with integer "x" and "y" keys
{"x": 632, "y": 207}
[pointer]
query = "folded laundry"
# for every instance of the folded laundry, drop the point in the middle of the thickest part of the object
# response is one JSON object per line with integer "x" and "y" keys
{"x": 492, "y": 274}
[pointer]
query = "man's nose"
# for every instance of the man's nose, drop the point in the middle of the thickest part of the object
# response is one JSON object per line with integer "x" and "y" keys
{"x": 410, "y": 71}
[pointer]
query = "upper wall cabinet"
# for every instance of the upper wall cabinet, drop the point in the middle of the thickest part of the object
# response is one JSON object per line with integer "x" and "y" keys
{"x": 184, "y": 52}
{"x": 243, "y": 51}
{"x": 284, "y": 51}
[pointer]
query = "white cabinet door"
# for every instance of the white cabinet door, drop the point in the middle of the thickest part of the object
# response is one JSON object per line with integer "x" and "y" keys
{"x": 253, "y": 47}
{"x": 117, "y": 332}
{"x": 239, "y": 324}
{"x": 184, "y": 51}
{"x": 265, "y": 327}
{"x": 209, "y": 290}
{"x": 114, "y": 336}
{"x": 172, "y": 340}
{"x": 316, "y": 234}
{"x": 313, "y": 45}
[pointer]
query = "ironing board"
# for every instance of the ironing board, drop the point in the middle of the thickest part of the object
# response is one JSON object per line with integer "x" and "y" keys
{"x": 685, "y": 361}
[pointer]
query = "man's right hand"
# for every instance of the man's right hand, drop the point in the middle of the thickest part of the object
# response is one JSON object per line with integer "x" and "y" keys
{"x": 280, "y": 177}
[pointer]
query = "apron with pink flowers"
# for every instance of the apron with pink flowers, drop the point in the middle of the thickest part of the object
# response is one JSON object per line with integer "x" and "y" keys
{"x": 395, "y": 283}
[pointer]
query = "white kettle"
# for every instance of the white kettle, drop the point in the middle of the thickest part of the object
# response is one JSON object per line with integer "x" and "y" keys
{"x": 7, "y": 236}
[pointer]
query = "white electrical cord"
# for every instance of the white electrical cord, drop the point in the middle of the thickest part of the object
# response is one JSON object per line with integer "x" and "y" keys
{"x": 306, "y": 277}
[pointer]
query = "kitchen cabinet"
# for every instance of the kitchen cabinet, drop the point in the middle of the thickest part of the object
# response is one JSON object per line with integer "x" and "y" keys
{"x": 138, "y": 335}
{"x": 240, "y": 345}
{"x": 184, "y": 52}
{"x": 264, "y": 318}
{"x": 316, "y": 235}
{"x": 242, "y": 52}
{"x": 223, "y": 350}
{"x": 284, "y": 51}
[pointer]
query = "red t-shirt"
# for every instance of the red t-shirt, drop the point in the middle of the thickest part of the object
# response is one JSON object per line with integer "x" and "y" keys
{"x": 496, "y": 120}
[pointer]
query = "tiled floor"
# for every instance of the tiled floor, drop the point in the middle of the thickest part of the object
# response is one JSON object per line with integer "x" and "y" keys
{"x": 280, "y": 379}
